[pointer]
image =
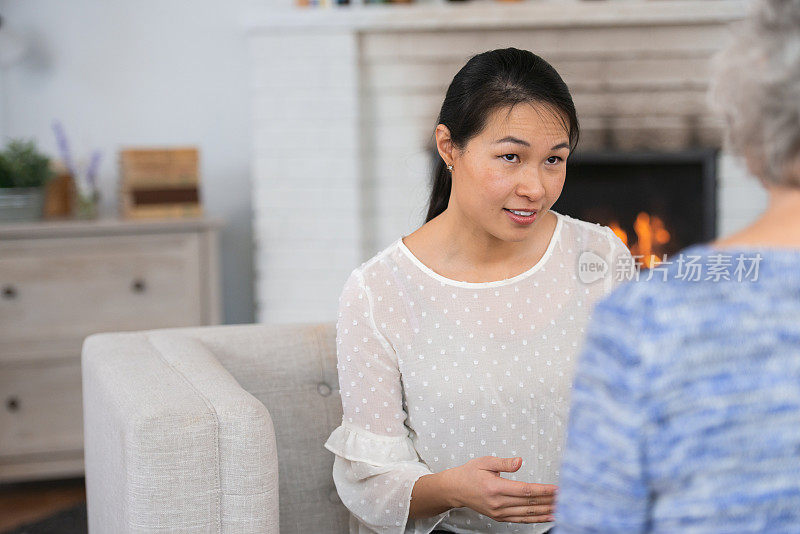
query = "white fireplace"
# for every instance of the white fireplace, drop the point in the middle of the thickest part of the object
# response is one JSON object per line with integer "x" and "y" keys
{"x": 345, "y": 102}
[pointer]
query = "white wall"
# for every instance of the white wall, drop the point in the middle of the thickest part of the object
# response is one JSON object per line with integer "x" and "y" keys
{"x": 144, "y": 73}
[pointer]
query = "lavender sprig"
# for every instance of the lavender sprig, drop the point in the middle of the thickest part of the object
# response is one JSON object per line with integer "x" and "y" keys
{"x": 63, "y": 147}
{"x": 92, "y": 172}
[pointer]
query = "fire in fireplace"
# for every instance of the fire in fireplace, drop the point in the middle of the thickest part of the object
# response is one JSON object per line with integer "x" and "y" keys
{"x": 656, "y": 202}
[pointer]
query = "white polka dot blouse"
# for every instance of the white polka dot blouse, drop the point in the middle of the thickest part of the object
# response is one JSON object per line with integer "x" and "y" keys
{"x": 434, "y": 372}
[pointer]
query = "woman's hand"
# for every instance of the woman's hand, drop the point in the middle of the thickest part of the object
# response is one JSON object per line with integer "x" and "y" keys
{"x": 478, "y": 485}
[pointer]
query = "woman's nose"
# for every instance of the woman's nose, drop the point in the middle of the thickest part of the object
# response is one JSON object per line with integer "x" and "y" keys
{"x": 531, "y": 186}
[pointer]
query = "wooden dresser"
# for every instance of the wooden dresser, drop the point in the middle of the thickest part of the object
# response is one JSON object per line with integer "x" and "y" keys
{"x": 63, "y": 280}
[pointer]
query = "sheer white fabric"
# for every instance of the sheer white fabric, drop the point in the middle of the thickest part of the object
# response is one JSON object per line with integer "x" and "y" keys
{"x": 434, "y": 372}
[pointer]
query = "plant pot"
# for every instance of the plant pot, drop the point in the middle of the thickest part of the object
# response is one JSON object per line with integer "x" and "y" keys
{"x": 21, "y": 203}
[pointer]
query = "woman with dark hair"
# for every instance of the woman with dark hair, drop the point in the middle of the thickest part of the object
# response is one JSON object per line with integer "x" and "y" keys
{"x": 685, "y": 412}
{"x": 456, "y": 343}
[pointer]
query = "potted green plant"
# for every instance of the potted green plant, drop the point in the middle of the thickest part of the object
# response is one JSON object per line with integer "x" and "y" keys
{"x": 24, "y": 172}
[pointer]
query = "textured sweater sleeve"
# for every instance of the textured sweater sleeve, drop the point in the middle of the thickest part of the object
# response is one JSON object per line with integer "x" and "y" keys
{"x": 376, "y": 464}
{"x": 603, "y": 484}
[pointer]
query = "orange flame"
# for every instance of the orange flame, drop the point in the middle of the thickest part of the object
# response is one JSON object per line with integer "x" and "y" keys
{"x": 651, "y": 235}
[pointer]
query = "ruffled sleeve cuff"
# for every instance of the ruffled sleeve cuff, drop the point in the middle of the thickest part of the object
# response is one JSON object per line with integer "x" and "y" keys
{"x": 425, "y": 525}
{"x": 371, "y": 454}
{"x": 361, "y": 445}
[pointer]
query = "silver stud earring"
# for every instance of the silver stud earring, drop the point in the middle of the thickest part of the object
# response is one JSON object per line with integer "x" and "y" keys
{"x": 450, "y": 168}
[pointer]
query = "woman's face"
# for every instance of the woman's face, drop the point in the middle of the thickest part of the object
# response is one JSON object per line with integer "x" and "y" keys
{"x": 517, "y": 162}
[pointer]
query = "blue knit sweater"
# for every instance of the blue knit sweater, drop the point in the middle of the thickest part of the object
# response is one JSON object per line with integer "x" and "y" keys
{"x": 685, "y": 408}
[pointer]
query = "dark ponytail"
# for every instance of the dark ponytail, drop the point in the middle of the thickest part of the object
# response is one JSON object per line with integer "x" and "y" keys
{"x": 490, "y": 81}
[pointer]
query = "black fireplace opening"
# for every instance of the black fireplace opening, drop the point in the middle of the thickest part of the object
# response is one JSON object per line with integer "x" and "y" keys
{"x": 657, "y": 202}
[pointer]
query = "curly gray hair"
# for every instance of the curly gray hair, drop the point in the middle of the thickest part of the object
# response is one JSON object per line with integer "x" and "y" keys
{"x": 756, "y": 87}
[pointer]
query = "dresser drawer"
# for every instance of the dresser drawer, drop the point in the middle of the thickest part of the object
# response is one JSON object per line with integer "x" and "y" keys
{"x": 73, "y": 287}
{"x": 41, "y": 407}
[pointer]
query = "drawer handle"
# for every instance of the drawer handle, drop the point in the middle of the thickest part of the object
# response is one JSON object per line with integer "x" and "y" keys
{"x": 138, "y": 286}
{"x": 9, "y": 292}
{"x": 12, "y": 403}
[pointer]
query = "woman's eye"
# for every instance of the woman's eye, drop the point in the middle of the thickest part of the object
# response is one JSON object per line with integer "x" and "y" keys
{"x": 557, "y": 158}
{"x": 512, "y": 155}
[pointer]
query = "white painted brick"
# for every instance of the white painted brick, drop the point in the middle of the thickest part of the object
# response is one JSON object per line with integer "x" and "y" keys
{"x": 292, "y": 242}
{"x": 340, "y": 176}
{"x": 295, "y": 111}
{"x": 743, "y": 199}
{"x": 306, "y": 86}
{"x": 327, "y": 198}
{"x": 315, "y": 311}
{"x": 308, "y": 257}
{"x": 322, "y": 225}
{"x": 273, "y": 138}
{"x": 307, "y": 78}
{"x": 299, "y": 286}
{"x": 580, "y": 74}
{"x": 414, "y": 161}
{"x": 399, "y": 137}
{"x": 730, "y": 225}
{"x": 307, "y": 45}
{"x": 289, "y": 171}
{"x": 733, "y": 171}
{"x": 319, "y": 275}
{"x": 268, "y": 160}
{"x": 614, "y": 39}
{"x": 636, "y": 103}
{"x": 417, "y": 106}
{"x": 740, "y": 196}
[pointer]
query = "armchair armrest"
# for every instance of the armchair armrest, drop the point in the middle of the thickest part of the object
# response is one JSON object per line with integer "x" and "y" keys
{"x": 171, "y": 440}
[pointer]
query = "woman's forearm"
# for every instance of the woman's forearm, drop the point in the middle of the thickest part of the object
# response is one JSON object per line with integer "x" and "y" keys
{"x": 431, "y": 495}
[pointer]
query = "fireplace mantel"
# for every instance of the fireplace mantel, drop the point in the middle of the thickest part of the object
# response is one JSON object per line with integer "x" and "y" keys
{"x": 492, "y": 14}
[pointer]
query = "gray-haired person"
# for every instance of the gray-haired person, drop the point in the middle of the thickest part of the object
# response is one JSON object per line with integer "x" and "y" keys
{"x": 685, "y": 413}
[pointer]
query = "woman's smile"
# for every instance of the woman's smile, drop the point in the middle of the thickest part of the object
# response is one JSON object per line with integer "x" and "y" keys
{"x": 521, "y": 219}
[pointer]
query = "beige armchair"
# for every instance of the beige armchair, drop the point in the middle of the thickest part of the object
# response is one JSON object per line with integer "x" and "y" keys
{"x": 212, "y": 429}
